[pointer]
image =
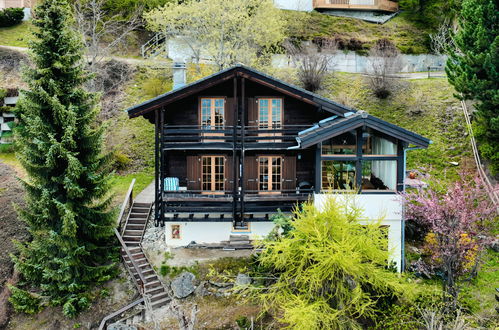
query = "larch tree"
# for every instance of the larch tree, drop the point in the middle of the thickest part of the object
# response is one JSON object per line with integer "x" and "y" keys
{"x": 473, "y": 70}
{"x": 226, "y": 32}
{"x": 60, "y": 147}
{"x": 330, "y": 269}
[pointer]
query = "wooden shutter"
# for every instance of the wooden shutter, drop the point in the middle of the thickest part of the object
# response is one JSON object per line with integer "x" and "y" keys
{"x": 193, "y": 173}
{"x": 229, "y": 173}
{"x": 250, "y": 173}
{"x": 252, "y": 112}
{"x": 229, "y": 111}
{"x": 289, "y": 173}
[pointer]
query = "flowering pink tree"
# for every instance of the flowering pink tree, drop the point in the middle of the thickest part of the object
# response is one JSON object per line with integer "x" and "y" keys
{"x": 458, "y": 218}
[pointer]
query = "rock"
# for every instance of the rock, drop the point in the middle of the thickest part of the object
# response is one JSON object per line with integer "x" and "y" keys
{"x": 201, "y": 290}
{"x": 183, "y": 285}
{"x": 121, "y": 326}
{"x": 454, "y": 163}
{"x": 243, "y": 279}
{"x": 220, "y": 284}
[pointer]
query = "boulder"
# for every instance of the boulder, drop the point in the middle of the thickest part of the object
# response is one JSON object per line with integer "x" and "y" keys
{"x": 243, "y": 280}
{"x": 201, "y": 290}
{"x": 183, "y": 285}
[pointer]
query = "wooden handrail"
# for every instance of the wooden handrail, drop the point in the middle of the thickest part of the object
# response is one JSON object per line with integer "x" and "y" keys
{"x": 118, "y": 312}
{"x": 135, "y": 266}
{"x": 128, "y": 201}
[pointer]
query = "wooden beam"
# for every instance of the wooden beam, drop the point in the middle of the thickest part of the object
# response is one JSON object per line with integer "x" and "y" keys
{"x": 157, "y": 151}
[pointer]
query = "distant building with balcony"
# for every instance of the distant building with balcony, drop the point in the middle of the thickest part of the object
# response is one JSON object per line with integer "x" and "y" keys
{"x": 359, "y": 5}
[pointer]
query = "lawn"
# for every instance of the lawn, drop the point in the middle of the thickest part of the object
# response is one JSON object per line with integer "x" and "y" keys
{"x": 17, "y": 35}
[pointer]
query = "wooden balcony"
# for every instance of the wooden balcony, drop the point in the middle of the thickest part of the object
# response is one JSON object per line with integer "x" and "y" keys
{"x": 382, "y": 5}
{"x": 254, "y": 138}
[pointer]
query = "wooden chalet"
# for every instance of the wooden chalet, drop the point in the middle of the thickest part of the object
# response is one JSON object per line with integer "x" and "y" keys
{"x": 238, "y": 145}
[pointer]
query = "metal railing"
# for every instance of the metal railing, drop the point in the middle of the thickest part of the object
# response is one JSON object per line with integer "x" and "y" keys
{"x": 153, "y": 45}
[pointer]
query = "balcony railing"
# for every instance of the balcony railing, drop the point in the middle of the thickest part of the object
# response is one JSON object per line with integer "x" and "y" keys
{"x": 185, "y": 135}
{"x": 227, "y": 195}
{"x": 385, "y": 5}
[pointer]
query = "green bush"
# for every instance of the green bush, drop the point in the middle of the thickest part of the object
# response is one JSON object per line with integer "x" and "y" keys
{"x": 7, "y": 148}
{"x": 24, "y": 301}
{"x": 11, "y": 16}
{"x": 120, "y": 160}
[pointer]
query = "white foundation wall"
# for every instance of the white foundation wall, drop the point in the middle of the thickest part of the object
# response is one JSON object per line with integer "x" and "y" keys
{"x": 300, "y": 5}
{"x": 386, "y": 207}
{"x": 212, "y": 232}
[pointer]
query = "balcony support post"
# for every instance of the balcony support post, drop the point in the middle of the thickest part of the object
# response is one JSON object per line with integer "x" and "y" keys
{"x": 157, "y": 201}
{"x": 243, "y": 126}
{"x": 162, "y": 168}
{"x": 234, "y": 163}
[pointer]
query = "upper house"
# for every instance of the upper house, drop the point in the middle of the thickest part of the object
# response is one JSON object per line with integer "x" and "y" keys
{"x": 321, "y": 5}
{"x": 236, "y": 146}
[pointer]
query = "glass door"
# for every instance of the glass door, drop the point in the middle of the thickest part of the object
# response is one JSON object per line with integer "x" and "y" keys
{"x": 212, "y": 116}
{"x": 269, "y": 174}
{"x": 212, "y": 174}
{"x": 269, "y": 117}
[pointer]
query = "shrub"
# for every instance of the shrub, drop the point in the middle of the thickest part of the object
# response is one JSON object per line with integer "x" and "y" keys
{"x": 120, "y": 160}
{"x": 24, "y": 301}
{"x": 11, "y": 16}
{"x": 7, "y": 148}
{"x": 156, "y": 86}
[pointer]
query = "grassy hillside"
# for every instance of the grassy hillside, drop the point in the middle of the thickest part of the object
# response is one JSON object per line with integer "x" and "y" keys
{"x": 410, "y": 37}
{"x": 425, "y": 106}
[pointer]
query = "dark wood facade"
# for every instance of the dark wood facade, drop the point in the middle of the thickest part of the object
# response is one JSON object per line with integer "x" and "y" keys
{"x": 242, "y": 145}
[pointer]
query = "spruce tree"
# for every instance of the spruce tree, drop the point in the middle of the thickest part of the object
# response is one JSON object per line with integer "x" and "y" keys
{"x": 60, "y": 147}
{"x": 473, "y": 69}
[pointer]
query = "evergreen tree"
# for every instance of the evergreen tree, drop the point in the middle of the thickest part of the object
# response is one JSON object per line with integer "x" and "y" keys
{"x": 60, "y": 147}
{"x": 473, "y": 69}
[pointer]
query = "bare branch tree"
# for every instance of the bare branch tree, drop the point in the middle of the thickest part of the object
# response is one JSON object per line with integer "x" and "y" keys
{"x": 442, "y": 39}
{"x": 384, "y": 61}
{"x": 312, "y": 62}
{"x": 185, "y": 322}
{"x": 102, "y": 33}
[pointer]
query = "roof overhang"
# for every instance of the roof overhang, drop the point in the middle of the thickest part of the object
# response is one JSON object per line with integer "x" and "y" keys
{"x": 335, "y": 126}
{"x": 238, "y": 71}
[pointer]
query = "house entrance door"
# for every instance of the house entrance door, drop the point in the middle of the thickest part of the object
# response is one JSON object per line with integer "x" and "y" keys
{"x": 212, "y": 174}
{"x": 269, "y": 174}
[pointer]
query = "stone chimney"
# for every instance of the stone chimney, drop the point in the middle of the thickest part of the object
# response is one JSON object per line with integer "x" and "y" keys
{"x": 179, "y": 70}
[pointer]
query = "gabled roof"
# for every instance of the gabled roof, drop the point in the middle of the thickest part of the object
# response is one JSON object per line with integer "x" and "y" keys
{"x": 243, "y": 71}
{"x": 334, "y": 126}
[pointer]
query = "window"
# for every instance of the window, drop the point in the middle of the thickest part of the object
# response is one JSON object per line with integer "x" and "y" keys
{"x": 212, "y": 113}
{"x": 375, "y": 168}
{"x": 379, "y": 174}
{"x": 344, "y": 144}
{"x": 269, "y": 174}
{"x": 377, "y": 143}
{"x": 269, "y": 113}
{"x": 338, "y": 175}
{"x": 212, "y": 174}
{"x": 175, "y": 231}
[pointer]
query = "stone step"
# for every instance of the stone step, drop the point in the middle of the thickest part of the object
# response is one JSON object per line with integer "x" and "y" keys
{"x": 139, "y": 204}
{"x": 159, "y": 296}
{"x": 140, "y": 209}
{"x": 138, "y": 215}
{"x": 134, "y": 226}
{"x": 155, "y": 290}
{"x": 131, "y": 232}
{"x": 160, "y": 303}
{"x": 239, "y": 238}
{"x": 152, "y": 284}
{"x": 129, "y": 238}
{"x": 137, "y": 221}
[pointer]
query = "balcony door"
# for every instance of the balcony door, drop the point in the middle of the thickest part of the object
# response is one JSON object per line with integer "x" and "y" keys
{"x": 269, "y": 117}
{"x": 270, "y": 174}
{"x": 213, "y": 174}
{"x": 212, "y": 116}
